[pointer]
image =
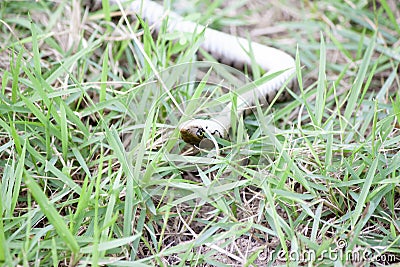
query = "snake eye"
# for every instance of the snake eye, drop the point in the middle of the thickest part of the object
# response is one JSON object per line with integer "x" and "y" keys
{"x": 200, "y": 133}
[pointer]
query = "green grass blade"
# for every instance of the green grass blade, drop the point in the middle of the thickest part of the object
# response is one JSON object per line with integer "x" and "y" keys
{"x": 64, "y": 133}
{"x": 55, "y": 219}
{"x": 366, "y": 186}
{"x": 3, "y": 241}
{"x": 35, "y": 48}
{"x": 103, "y": 246}
{"x": 104, "y": 76}
{"x": 391, "y": 16}
{"x": 359, "y": 80}
{"x": 320, "y": 98}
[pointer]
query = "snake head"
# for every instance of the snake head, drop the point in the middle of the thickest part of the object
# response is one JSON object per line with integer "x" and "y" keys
{"x": 193, "y": 131}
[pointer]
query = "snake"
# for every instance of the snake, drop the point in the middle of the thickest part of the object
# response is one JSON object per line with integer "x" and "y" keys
{"x": 228, "y": 48}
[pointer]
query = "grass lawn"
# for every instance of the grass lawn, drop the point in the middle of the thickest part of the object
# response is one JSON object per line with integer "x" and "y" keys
{"x": 93, "y": 171}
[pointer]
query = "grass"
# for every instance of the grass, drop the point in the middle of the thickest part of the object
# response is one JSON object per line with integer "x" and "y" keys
{"x": 93, "y": 171}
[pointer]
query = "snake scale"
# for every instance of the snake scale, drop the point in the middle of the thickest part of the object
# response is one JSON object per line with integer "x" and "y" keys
{"x": 229, "y": 48}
